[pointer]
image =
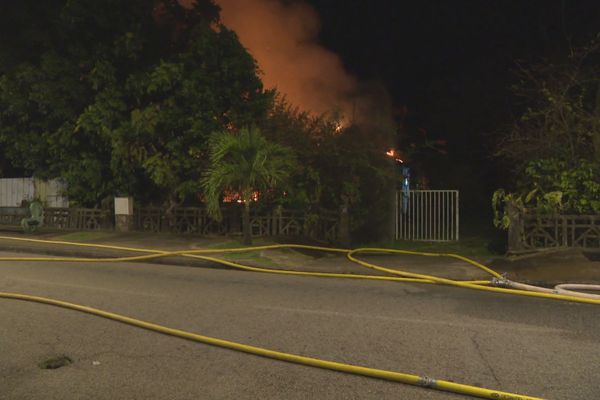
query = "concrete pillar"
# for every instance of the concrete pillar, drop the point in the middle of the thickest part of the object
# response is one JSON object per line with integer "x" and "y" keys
{"x": 123, "y": 214}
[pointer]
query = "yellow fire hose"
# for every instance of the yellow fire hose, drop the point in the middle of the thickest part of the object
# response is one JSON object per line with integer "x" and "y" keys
{"x": 277, "y": 355}
{"x": 351, "y": 255}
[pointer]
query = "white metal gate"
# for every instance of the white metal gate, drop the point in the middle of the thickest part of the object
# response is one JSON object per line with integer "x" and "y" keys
{"x": 428, "y": 215}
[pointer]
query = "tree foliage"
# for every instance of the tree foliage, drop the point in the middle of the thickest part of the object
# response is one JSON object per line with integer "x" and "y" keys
{"x": 247, "y": 164}
{"x": 122, "y": 96}
{"x": 553, "y": 187}
{"x": 554, "y": 147}
{"x": 561, "y": 110}
{"x": 338, "y": 168}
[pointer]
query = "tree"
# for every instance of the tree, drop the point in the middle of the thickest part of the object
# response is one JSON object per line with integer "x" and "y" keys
{"x": 338, "y": 169}
{"x": 121, "y": 96}
{"x": 554, "y": 147}
{"x": 247, "y": 164}
{"x": 561, "y": 111}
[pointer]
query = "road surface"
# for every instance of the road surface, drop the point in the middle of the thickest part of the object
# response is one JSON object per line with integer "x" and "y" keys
{"x": 523, "y": 345}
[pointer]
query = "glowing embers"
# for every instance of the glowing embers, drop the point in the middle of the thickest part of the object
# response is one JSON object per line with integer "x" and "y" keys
{"x": 395, "y": 155}
{"x": 235, "y": 197}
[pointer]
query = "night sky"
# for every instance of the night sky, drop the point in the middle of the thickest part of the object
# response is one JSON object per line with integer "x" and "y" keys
{"x": 409, "y": 45}
{"x": 450, "y": 62}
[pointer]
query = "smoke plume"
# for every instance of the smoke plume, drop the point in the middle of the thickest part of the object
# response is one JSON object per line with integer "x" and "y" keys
{"x": 282, "y": 37}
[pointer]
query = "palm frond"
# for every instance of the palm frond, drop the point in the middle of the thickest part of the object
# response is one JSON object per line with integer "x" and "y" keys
{"x": 245, "y": 162}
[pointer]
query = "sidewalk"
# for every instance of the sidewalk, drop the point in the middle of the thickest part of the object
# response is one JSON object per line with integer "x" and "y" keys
{"x": 551, "y": 267}
{"x": 547, "y": 269}
{"x": 290, "y": 259}
{"x": 138, "y": 240}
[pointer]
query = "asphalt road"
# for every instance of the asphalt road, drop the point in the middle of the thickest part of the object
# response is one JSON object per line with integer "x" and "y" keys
{"x": 530, "y": 346}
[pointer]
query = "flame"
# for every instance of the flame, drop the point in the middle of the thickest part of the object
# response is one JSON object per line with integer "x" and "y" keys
{"x": 235, "y": 197}
{"x": 339, "y": 126}
{"x": 395, "y": 155}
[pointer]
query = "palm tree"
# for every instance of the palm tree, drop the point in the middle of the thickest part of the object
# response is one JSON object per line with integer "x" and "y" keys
{"x": 245, "y": 163}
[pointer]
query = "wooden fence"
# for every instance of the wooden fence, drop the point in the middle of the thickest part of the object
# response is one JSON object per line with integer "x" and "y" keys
{"x": 12, "y": 215}
{"x": 87, "y": 219}
{"x": 278, "y": 222}
{"x": 530, "y": 231}
{"x": 62, "y": 218}
{"x": 180, "y": 220}
{"x": 323, "y": 225}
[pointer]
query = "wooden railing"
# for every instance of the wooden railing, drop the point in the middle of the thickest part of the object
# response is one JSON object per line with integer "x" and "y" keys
{"x": 62, "y": 218}
{"x": 12, "y": 215}
{"x": 278, "y": 222}
{"x": 180, "y": 220}
{"x": 537, "y": 231}
{"x": 86, "y": 219}
{"x": 321, "y": 225}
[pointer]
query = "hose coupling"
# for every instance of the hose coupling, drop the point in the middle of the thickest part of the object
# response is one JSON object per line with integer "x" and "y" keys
{"x": 427, "y": 382}
{"x": 500, "y": 282}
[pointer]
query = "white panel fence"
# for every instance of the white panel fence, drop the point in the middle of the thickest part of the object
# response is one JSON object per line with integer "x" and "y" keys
{"x": 427, "y": 215}
{"x": 14, "y": 190}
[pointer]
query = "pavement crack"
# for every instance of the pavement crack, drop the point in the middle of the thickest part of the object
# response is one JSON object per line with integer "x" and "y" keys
{"x": 483, "y": 358}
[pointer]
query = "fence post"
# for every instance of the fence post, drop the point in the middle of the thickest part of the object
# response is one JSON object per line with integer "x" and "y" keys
{"x": 279, "y": 224}
{"x": 515, "y": 228}
{"x": 565, "y": 237}
{"x": 344, "y": 227}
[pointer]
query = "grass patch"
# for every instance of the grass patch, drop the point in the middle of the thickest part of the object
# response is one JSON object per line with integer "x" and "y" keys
{"x": 84, "y": 236}
{"x": 469, "y": 246}
{"x": 478, "y": 239}
{"x": 235, "y": 243}
{"x": 255, "y": 258}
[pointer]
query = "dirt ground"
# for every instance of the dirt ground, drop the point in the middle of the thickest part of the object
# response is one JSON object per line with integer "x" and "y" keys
{"x": 546, "y": 268}
{"x": 552, "y": 267}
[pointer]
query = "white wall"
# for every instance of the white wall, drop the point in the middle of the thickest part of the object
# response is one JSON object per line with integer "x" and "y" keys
{"x": 14, "y": 190}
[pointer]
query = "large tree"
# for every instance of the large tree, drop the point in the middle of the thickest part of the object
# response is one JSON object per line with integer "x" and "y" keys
{"x": 560, "y": 110}
{"x": 121, "y": 96}
{"x": 553, "y": 148}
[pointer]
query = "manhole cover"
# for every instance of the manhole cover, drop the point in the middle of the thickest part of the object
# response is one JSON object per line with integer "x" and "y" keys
{"x": 55, "y": 362}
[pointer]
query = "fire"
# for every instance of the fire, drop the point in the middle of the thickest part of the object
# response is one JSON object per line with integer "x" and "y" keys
{"x": 277, "y": 31}
{"x": 339, "y": 127}
{"x": 235, "y": 197}
{"x": 395, "y": 155}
